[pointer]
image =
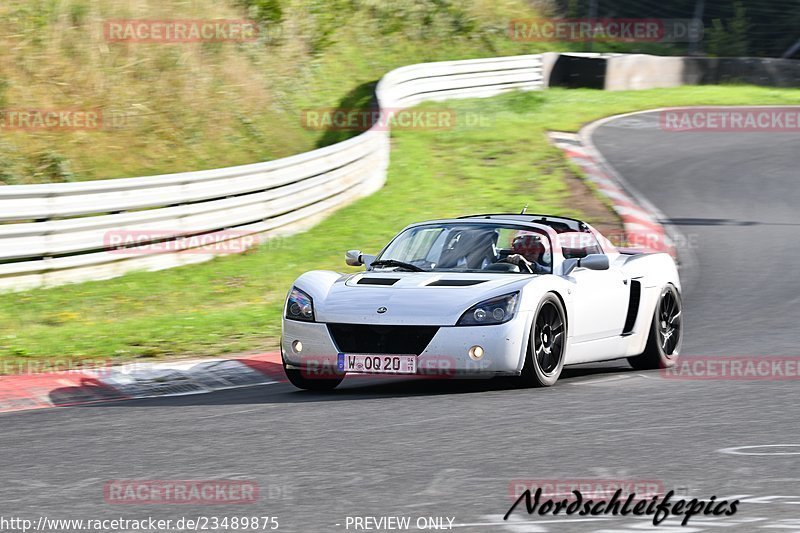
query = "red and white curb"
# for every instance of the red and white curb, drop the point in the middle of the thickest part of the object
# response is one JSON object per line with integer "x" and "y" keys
{"x": 137, "y": 380}
{"x": 643, "y": 229}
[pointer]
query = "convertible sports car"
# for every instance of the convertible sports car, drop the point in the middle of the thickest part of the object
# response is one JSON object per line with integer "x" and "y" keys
{"x": 480, "y": 296}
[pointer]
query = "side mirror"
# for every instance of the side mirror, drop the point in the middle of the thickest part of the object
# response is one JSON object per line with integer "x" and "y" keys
{"x": 594, "y": 262}
{"x": 591, "y": 262}
{"x": 568, "y": 266}
{"x": 353, "y": 258}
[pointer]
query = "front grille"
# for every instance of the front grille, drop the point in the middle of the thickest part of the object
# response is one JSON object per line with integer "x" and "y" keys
{"x": 363, "y": 338}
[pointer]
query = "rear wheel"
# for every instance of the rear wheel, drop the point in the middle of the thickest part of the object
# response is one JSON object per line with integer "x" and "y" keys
{"x": 666, "y": 333}
{"x": 547, "y": 346}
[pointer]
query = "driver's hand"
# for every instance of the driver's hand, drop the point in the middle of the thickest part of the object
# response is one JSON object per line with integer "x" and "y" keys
{"x": 518, "y": 259}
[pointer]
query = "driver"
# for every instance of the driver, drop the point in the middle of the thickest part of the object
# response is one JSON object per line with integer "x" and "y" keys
{"x": 528, "y": 250}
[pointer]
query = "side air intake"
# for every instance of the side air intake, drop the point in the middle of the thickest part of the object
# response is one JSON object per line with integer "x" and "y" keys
{"x": 633, "y": 307}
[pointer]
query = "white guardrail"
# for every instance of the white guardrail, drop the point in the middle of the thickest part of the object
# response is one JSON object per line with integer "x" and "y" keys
{"x": 52, "y": 234}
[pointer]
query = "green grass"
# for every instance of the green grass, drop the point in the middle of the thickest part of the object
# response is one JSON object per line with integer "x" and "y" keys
{"x": 233, "y": 304}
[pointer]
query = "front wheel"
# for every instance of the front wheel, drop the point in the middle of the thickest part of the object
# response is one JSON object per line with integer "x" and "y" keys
{"x": 547, "y": 346}
{"x": 300, "y": 381}
{"x": 666, "y": 333}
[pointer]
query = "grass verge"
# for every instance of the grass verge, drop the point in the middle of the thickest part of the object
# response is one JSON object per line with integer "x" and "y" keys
{"x": 233, "y": 304}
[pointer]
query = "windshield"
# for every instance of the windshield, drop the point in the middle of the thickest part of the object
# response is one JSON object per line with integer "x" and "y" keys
{"x": 469, "y": 247}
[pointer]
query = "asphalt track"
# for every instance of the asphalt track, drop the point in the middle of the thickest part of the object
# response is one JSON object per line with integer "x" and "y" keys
{"x": 450, "y": 449}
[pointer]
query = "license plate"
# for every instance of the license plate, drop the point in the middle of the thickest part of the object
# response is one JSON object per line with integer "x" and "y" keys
{"x": 377, "y": 364}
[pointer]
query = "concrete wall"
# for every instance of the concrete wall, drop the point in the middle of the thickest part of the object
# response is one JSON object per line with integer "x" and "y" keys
{"x": 641, "y": 71}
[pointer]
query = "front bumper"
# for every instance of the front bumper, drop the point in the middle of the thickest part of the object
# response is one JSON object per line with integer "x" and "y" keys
{"x": 504, "y": 348}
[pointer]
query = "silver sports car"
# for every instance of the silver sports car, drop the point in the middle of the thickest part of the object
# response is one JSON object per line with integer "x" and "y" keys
{"x": 480, "y": 296}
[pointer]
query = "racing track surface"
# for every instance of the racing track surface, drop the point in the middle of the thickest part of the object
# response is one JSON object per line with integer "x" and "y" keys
{"x": 422, "y": 448}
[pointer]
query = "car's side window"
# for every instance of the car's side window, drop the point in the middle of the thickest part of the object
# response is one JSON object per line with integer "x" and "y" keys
{"x": 577, "y": 245}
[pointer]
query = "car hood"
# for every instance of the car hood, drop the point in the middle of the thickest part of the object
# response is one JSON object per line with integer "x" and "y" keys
{"x": 420, "y": 298}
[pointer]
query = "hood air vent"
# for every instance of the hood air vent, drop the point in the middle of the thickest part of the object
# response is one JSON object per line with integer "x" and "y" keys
{"x": 456, "y": 282}
{"x": 378, "y": 281}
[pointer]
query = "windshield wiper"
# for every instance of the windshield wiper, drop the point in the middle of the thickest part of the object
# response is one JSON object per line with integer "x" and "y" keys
{"x": 398, "y": 264}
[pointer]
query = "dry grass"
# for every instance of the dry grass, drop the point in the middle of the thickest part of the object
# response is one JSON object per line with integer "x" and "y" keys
{"x": 188, "y": 106}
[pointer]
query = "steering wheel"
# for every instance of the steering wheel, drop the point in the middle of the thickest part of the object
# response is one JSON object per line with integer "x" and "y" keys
{"x": 523, "y": 266}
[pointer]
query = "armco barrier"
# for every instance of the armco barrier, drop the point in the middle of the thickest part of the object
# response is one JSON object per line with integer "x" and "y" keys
{"x": 52, "y": 234}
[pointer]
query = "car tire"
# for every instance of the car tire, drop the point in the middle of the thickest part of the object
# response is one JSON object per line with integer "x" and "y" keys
{"x": 300, "y": 381}
{"x": 665, "y": 337}
{"x": 547, "y": 344}
{"x": 297, "y": 379}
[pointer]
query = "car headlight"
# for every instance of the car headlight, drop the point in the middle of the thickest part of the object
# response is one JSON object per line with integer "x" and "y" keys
{"x": 494, "y": 311}
{"x": 299, "y": 306}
